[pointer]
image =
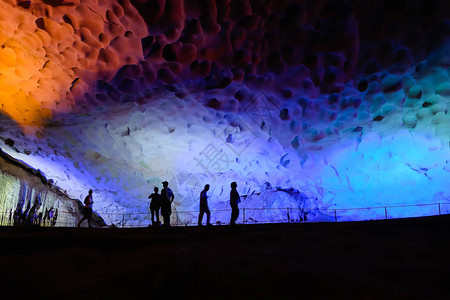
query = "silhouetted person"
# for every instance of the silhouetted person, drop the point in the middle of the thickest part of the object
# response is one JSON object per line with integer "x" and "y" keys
{"x": 17, "y": 216}
{"x": 234, "y": 201}
{"x": 40, "y": 218}
{"x": 23, "y": 217}
{"x": 155, "y": 205}
{"x": 88, "y": 202}
{"x": 49, "y": 212}
{"x": 55, "y": 216}
{"x": 166, "y": 203}
{"x": 204, "y": 207}
{"x": 32, "y": 215}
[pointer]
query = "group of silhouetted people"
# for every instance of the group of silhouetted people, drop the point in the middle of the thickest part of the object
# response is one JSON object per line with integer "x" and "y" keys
{"x": 161, "y": 201}
{"x": 32, "y": 214}
{"x": 164, "y": 201}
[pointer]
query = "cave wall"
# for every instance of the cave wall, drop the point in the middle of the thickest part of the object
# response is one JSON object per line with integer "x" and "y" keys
{"x": 28, "y": 199}
{"x": 344, "y": 102}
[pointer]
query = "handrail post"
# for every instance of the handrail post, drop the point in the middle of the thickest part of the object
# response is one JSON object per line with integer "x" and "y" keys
{"x": 335, "y": 216}
{"x": 123, "y": 220}
{"x": 244, "y": 215}
{"x": 385, "y": 212}
{"x": 289, "y": 218}
{"x": 439, "y": 204}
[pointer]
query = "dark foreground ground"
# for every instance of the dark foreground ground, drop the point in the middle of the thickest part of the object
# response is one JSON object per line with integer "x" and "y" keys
{"x": 393, "y": 259}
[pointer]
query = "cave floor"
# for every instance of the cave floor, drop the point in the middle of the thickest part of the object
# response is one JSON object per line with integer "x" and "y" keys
{"x": 407, "y": 258}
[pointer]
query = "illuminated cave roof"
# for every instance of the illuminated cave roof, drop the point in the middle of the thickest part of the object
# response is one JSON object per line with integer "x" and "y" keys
{"x": 320, "y": 96}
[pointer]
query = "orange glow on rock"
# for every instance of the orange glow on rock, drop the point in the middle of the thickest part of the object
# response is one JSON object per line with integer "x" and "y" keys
{"x": 45, "y": 50}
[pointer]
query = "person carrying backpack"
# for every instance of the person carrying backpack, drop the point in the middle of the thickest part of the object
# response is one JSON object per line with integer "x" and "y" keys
{"x": 88, "y": 203}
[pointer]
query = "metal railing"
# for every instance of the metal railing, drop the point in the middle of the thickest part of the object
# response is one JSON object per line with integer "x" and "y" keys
{"x": 286, "y": 215}
{"x": 60, "y": 219}
{"x": 249, "y": 215}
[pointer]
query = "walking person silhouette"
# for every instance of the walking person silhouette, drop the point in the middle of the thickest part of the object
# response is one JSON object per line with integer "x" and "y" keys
{"x": 204, "y": 207}
{"x": 234, "y": 201}
{"x": 88, "y": 203}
